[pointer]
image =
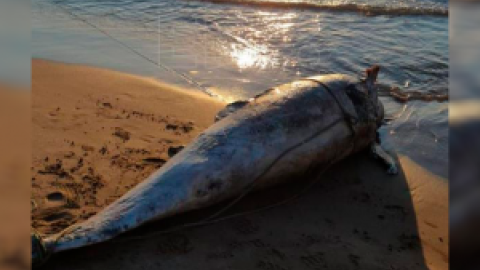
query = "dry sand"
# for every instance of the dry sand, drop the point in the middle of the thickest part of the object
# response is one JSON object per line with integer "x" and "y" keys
{"x": 98, "y": 133}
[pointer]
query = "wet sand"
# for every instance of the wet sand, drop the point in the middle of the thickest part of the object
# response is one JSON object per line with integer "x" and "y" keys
{"x": 98, "y": 133}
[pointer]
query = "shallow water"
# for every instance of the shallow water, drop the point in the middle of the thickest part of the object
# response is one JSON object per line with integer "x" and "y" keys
{"x": 236, "y": 49}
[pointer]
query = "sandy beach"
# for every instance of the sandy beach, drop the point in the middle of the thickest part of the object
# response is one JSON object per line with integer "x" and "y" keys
{"x": 98, "y": 133}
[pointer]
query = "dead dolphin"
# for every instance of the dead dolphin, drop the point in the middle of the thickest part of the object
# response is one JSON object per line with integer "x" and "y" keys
{"x": 266, "y": 140}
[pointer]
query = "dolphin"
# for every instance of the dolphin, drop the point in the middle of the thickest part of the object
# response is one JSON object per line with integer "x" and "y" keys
{"x": 256, "y": 143}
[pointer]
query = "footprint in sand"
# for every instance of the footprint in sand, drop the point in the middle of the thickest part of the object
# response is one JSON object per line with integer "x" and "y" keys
{"x": 56, "y": 198}
{"x": 63, "y": 198}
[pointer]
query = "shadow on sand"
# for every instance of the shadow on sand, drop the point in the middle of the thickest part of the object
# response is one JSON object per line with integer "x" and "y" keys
{"x": 355, "y": 217}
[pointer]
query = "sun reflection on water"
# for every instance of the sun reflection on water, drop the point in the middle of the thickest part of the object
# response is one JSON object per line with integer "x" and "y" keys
{"x": 248, "y": 57}
{"x": 250, "y": 46}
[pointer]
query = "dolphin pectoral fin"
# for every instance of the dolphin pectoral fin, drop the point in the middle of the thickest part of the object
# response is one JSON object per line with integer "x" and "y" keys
{"x": 379, "y": 153}
{"x": 230, "y": 108}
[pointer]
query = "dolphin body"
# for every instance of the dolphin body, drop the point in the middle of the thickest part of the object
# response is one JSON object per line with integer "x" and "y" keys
{"x": 287, "y": 130}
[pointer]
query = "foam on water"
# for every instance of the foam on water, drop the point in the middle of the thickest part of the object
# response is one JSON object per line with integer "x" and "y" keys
{"x": 391, "y": 8}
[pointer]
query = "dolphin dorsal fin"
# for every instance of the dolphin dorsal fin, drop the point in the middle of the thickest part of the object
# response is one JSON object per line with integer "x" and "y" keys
{"x": 230, "y": 108}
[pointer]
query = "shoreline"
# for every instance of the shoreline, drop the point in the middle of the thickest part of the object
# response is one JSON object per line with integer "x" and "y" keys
{"x": 98, "y": 133}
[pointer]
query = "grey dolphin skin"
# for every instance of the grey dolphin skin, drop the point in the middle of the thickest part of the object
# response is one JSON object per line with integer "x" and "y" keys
{"x": 285, "y": 131}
